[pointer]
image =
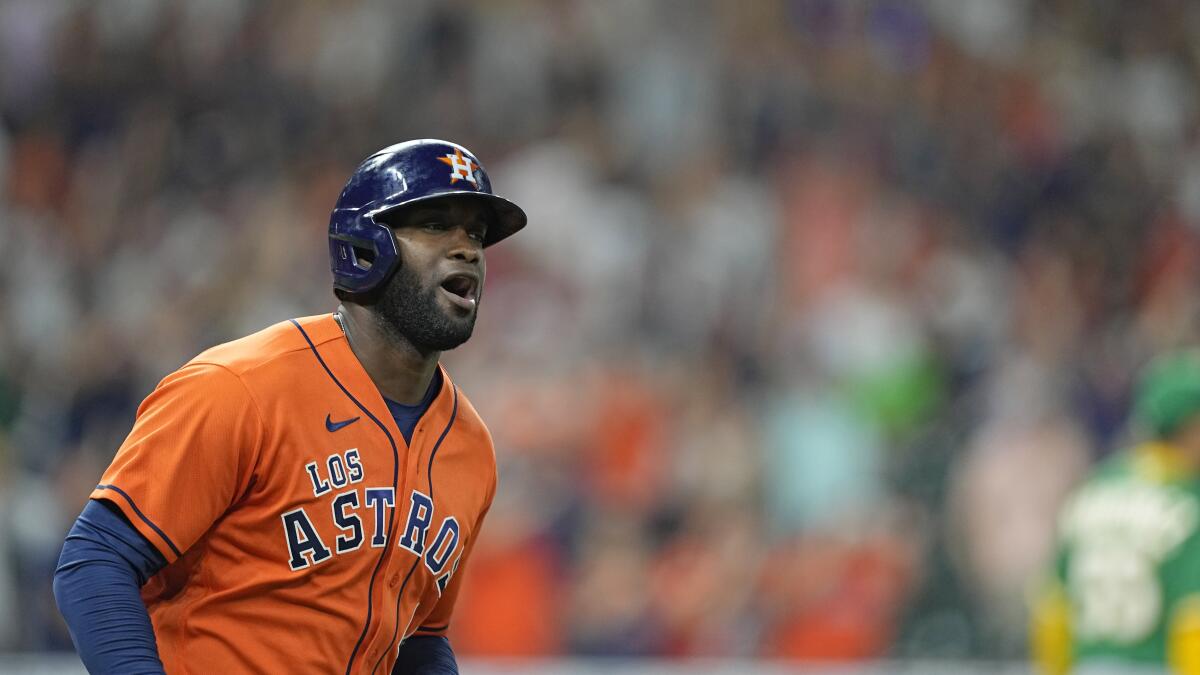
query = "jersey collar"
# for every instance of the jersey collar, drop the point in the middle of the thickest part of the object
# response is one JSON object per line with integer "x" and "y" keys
{"x": 329, "y": 340}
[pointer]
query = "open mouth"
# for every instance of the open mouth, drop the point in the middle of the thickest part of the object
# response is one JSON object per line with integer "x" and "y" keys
{"x": 461, "y": 289}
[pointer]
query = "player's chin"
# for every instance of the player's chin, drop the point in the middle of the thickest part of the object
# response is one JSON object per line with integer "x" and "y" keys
{"x": 450, "y": 332}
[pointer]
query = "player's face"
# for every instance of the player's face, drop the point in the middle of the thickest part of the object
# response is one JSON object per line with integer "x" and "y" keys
{"x": 433, "y": 299}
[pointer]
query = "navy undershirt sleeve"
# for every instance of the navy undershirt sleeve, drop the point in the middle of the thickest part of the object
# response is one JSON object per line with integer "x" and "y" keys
{"x": 104, "y": 563}
{"x": 425, "y": 655}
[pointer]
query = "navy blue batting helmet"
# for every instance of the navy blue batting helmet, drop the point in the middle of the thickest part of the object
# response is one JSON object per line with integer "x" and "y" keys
{"x": 362, "y": 251}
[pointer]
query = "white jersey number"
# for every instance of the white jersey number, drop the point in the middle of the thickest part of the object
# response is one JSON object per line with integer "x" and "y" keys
{"x": 1116, "y": 593}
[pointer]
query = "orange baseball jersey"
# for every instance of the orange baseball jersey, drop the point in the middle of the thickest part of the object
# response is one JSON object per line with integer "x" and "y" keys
{"x": 301, "y": 533}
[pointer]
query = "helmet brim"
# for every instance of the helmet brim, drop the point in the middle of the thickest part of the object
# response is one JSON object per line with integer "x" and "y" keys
{"x": 509, "y": 218}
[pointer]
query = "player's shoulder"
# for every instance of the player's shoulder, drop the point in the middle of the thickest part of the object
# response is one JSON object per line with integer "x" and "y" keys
{"x": 260, "y": 362}
{"x": 269, "y": 345}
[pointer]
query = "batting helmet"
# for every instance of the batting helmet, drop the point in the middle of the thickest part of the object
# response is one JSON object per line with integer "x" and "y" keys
{"x": 362, "y": 252}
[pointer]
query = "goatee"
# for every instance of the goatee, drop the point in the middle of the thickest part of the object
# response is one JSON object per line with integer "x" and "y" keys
{"x": 411, "y": 312}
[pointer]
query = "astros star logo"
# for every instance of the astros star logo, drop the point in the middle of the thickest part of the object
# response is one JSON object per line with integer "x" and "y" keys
{"x": 460, "y": 167}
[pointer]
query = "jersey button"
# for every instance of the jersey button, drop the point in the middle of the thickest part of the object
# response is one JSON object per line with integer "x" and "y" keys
{"x": 394, "y": 580}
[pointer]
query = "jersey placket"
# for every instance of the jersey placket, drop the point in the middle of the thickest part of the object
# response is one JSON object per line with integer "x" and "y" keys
{"x": 398, "y": 568}
{"x": 420, "y": 457}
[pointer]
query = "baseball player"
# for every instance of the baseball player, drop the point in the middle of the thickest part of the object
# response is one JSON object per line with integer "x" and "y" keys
{"x": 1125, "y": 593}
{"x": 303, "y": 500}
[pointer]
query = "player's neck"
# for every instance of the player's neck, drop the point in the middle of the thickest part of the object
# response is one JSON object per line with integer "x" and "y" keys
{"x": 400, "y": 371}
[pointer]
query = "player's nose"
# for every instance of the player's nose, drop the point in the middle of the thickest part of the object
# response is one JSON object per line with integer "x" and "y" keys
{"x": 465, "y": 247}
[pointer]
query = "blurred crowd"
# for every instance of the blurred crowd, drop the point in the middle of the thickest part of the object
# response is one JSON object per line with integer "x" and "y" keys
{"x": 822, "y": 308}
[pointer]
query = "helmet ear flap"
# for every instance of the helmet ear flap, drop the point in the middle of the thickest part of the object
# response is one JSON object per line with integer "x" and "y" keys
{"x": 355, "y": 251}
{"x": 361, "y": 263}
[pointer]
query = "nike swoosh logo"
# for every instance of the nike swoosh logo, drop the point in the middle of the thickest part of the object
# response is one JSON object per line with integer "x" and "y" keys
{"x": 332, "y": 426}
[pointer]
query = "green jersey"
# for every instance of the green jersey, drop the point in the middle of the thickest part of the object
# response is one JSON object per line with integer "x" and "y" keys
{"x": 1129, "y": 556}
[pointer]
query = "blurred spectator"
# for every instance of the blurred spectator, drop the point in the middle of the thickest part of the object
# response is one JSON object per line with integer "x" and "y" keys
{"x": 822, "y": 308}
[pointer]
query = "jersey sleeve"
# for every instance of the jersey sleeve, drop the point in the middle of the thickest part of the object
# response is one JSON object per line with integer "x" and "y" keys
{"x": 190, "y": 455}
{"x": 1183, "y": 638}
{"x": 1051, "y": 633}
{"x": 1050, "y": 638}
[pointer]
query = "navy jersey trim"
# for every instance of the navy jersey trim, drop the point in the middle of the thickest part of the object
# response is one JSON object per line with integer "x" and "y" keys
{"x": 395, "y": 483}
{"x": 149, "y": 523}
{"x": 429, "y": 475}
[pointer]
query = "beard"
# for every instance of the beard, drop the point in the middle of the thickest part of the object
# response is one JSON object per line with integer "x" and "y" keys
{"x": 411, "y": 312}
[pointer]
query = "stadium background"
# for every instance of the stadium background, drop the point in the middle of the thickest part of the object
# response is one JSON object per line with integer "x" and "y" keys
{"x": 822, "y": 308}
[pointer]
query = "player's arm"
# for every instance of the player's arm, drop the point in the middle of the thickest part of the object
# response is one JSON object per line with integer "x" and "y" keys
{"x": 425, "y": 655}
{"x": 194, "y": 442}
{"x": 103, "y": 564}
{"x": 427, "y": 651}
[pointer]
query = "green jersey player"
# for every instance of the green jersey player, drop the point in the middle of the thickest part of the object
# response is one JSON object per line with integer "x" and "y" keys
{"x": 1125, "y": 593}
